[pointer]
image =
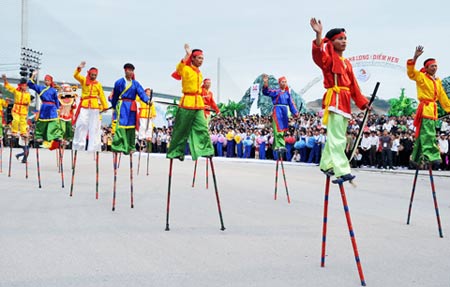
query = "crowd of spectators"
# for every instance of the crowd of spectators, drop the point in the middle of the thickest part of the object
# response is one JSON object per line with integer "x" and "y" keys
{"x": 387, "y": 142}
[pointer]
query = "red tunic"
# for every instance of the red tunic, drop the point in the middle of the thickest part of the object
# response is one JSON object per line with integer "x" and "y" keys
{"x": 331, "y": 65}
{"x": 210, "y": 104}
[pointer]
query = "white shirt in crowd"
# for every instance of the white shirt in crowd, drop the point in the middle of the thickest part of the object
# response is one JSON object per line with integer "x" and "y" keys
{"x": 395, "y": 145}
{"x": 443, "y": 145}
{"x": 366, "y": 142}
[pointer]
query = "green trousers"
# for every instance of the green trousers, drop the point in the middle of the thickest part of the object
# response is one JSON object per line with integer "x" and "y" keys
{"x": 333, "y": 155}
{"x": 190, "y": 124}
{"x": 278, "y": 137}
{"x": 425, "y": 146}
{"x": 48, "y": 130}
{"x": 67, "y": 130}
{"x": 1, "y": 127}
{"x": 124, "y": 140}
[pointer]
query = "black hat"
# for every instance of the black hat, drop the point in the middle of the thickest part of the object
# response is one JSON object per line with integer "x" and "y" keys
{"x": 128, "y": 66}
{"x": 333, "y": 32}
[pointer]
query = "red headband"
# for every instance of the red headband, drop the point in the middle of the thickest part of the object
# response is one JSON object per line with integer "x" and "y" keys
{"x": 342, "y": 34}
{"x": 427, "y": 64}
{"x": 92, "y": 70}
{"x": 49, "y": 78}
{"x": 430, "y": 62}
{"x": 281, "y": 79}
{"x": 197, "y": 53}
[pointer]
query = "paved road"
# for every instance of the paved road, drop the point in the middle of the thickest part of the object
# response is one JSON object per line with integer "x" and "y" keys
{"x": 50, "y": 239}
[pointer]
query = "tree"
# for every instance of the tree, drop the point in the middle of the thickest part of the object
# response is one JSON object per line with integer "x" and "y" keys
{"x": 402, "y": 106}
{"x": 232, "y": 109}
{"x": 172, "y": 110}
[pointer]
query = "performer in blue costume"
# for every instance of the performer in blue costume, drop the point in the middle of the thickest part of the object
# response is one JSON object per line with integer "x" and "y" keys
{"x": 123, "y": 101}
{"x": 281, "y": 99}
{"x": 48, "y": 127}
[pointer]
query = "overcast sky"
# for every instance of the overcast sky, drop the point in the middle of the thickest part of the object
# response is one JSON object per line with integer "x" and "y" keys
{"x": 250, "y": 37}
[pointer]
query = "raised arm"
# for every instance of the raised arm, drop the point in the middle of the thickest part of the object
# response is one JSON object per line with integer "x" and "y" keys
{"x": 77, "y": 75}
{"x": 317, "y": 27}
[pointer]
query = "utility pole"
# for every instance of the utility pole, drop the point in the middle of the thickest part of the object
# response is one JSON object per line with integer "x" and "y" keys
{"x": 30, "y": 60}
{"x": 24, "y": 28}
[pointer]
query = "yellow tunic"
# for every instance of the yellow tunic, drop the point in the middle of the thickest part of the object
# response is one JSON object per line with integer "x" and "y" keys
{"x": 191, "y": 81}
{"x": 428, "y": 91}
{"x": 21, "y": 100}
{"x": 143, "y": 110}
{"x": 91, "y": 94}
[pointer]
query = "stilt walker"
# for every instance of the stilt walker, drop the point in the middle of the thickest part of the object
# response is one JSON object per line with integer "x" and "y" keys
{"x": 341, "y": 86}
{"x": 429, "y": 90}
{"x": 282, "y": 102}
{"x": 66, "y": 97}
{"x": 3, "y": 104}
{"x": 48, "y": 127}
{"x": 145, "y": 124}
{"x": 124, "y": 102}
{"x": 87, "y": 119}
{"x": 190, "y": 121}
{"x": 22, "y": 99}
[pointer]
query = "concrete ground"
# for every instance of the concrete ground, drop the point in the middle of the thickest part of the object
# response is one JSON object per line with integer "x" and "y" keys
{"x": 50, "y": 239}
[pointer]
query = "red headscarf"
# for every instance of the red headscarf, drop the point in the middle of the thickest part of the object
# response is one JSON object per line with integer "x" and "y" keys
{"x": 49, "y": 78}
{"x": 20, "y": 85}
{"x": 88, "y": 77}
{"x": 337, "y": 66}
{"x": 283, "y": 79}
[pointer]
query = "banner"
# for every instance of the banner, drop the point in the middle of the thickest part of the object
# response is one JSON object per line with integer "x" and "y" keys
{"x": 254, "y": 91}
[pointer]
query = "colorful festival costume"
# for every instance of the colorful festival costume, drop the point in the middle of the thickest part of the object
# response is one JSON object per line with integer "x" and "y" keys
{"x": 208, "y": 100}
{"x": 67, "y": 107}
{"x": 341, "y": 86}
{"x": 3, "y": 104}
{"x": 429, "y": 91}
{"x": 20, "y": 109}
{"x": 48, "y": 127}
{"x": 123, "y": 101}
{"x": 281, "y": 100}
{"x": 87, "y": 118}
{"x": 190, "y": 122}
{"x": 144, "y": 116}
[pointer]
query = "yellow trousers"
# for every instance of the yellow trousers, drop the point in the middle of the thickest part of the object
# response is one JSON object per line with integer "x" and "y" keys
{"x": 19, "y": 122}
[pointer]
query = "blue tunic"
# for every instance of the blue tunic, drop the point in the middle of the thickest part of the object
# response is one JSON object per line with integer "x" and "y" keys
{"x": 49, "y": 98}
{"x": 123, "y": 101}
{"x": 281, "y": 100}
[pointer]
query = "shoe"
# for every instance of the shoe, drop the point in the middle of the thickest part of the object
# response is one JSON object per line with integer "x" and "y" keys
{"x": 346, "y": 177}
{"x": 24, "y": 161}
{"x": 17, "y": 156}
{"x": 329, "y": 172}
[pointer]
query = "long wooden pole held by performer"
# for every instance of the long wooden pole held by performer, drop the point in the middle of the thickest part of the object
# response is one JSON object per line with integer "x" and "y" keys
{"x": 74, "y": 164}
{"x": 364, "y": 122}
{"x": 146, "y": 129}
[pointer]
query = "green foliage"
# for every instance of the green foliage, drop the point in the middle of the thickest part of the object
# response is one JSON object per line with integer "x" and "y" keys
{"x": 172, "y": 110}
{"x": 232, "y": 109}
{"x": 402, "y": 106}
